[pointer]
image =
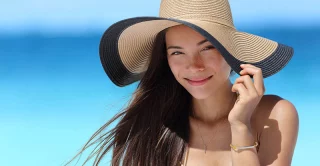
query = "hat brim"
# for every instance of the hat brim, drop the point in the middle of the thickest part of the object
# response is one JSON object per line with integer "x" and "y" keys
{"x": 126, "y": 46}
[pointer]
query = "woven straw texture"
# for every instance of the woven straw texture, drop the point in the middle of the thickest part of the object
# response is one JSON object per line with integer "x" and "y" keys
{"x": 126, "y": 46}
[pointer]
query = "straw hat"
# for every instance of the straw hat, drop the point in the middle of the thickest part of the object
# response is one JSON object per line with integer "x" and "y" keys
{"x": 126, "y": 45}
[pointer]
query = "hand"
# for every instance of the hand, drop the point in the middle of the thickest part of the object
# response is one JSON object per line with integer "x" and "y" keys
{"x": 250, "y": 93}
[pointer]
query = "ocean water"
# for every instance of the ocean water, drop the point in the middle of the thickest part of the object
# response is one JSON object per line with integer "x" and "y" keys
{"x": 54, "y": 94}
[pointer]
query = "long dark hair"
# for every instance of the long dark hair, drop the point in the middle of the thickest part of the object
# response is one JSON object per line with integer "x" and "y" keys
{"x": 154, "y": 129}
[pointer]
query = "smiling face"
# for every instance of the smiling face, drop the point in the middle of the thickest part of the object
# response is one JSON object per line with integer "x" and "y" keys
{"x": 194, "y": 62}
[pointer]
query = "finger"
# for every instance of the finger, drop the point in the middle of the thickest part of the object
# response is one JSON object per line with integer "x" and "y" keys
{"x": 257, "y": 77}
{"x": 240, "y": 88}
{"x": 248, "y": 83}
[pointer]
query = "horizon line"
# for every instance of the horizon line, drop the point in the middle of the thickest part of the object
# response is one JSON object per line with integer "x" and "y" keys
{"x": 94, "y": 28}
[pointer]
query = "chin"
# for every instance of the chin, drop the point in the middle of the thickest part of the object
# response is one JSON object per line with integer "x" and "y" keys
{"x": 200, "y": 95}
{"x": 198, "y": 92}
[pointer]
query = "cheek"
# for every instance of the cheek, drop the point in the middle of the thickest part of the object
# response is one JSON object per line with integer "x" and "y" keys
{"x": 176, "y": 65}
{"x": 224, "y": 69}
{"x": 211, "y": 61}
{"x": 215, "y": 61}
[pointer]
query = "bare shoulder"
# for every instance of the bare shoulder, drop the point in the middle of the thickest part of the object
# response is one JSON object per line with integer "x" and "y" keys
{"x": 275, "y": 107}
{"x": 276, "y": 121}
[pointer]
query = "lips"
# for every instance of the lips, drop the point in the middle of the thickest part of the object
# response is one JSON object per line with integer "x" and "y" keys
{"x": 198, "y": 81}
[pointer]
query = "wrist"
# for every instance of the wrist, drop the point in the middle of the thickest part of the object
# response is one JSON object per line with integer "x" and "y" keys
{"x": 239, "y": 124}
{"x": 240, "y": 127}
{"x": 241, "y": 135}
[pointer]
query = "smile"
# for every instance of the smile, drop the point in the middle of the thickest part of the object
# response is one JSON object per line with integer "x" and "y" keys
{"x": 198, "y": 82}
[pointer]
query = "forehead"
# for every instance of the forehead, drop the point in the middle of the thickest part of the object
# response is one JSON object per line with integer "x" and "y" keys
{"x": 182, "y": 33}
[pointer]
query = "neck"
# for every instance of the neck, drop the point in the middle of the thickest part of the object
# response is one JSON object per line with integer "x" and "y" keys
{"x": 215, "y": 107}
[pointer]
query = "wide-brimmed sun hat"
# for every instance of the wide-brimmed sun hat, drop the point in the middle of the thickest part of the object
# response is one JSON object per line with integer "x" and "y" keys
{"x": 126, "y": 46}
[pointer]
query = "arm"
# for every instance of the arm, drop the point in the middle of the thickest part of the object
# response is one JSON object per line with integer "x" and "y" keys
{"x": 242, "y": 136}
{"x": 277, "y": 141}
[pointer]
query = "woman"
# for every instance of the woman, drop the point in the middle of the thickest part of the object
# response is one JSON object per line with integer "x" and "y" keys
{"x": 185, "y": 110}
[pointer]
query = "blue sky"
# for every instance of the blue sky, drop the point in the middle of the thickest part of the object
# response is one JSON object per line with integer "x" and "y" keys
{"x": 84, "y": 15}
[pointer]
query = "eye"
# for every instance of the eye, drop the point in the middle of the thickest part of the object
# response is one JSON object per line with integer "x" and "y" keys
{"x": 208, "y": 48}
{"x": 176, "y": 53}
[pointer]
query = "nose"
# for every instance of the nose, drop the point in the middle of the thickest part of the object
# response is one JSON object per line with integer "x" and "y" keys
{"x": 196, "y": 64}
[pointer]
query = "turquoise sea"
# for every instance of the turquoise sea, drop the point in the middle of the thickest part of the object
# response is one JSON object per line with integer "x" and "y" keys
{"x": 54, "y": 93}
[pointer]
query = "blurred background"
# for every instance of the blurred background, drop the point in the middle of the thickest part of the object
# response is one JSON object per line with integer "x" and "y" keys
{"x": 54, "y": 93}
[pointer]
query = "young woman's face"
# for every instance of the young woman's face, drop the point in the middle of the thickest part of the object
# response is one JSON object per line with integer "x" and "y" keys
{"x": 194, "y": 62}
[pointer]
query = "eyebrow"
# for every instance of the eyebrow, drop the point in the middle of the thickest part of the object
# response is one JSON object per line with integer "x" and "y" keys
{"x": 178, "y": 47}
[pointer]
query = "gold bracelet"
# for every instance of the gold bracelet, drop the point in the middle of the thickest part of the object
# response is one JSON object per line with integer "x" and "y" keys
{"x": 235, "y": 148}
